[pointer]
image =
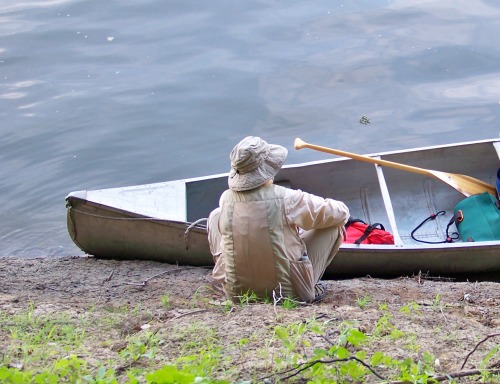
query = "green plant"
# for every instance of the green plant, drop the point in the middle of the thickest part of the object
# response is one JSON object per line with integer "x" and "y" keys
{"x": 141, "y": 345}
{"x": 34, "y": 337}
{"x": 71, "y": 369}
{"x": 383, "y": 307}
{"x": 411, "y": 308}
{"x": 436, "y": 303}
{"x": 248, "y": 298}
{"x": 228, "y": 305}
{"x": 171, "y": 374}
{"x": 490, "y": 355}
{"x": 165, "y": 300}
{"x": 383, "y": 327}
{"x": 346, "y": 361}
{"x": 288, "y": 303}
{"x": 362, "y": 302}
{"x": 34, "y": 343}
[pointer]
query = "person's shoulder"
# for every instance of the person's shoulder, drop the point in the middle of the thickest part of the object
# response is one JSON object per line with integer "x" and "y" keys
{"x": 225, "y": 195}
{"x": 289, "y": 193}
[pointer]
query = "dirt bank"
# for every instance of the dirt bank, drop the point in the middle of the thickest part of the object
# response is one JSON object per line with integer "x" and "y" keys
{"x": 123, "y": 298}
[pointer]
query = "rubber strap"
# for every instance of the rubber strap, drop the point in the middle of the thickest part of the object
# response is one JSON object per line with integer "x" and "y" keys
{"x": 449, "y": 238}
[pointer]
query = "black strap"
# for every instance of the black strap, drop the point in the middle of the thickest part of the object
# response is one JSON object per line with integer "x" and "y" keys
{"x": 351, "y": 221}
{"x": 449, "y": 238}
{"x": 367, "y": 231}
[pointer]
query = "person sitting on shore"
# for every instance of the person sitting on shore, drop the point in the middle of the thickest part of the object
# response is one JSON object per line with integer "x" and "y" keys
{"x": 267, "y": 239}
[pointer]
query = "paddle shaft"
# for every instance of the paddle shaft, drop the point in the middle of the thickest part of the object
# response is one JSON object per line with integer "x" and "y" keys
{"x": 299, "y": 144}
{"x": 464, "y": 184}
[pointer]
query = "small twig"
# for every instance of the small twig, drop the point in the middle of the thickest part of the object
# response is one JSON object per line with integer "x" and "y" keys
{"x": 144, "y": 282}
{"x": 102, "y": 285}
{"x": 189, "y": 313}
{"x": 277, "y": 299}
{"x": 425, "y": 276}
{"x": 214, "y": 285}
{"x": 110, "y": 275}
{"x": 368, "y": 367}
{"x": 477, "y": 345}
{"x": 327, "y": 340}
{"x": 444, "y": 316}
{"x": 419, "y": 278}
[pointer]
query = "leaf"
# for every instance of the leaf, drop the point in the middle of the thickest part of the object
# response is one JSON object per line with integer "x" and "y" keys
{"x": 169, "y": 374}
{"x": 490, "y": 355}
{"x": 319, "y": 353}
{"x": 343, "y": 353}
{"x": 316, "y": 329}
{"x": 281, "y": 333}
{"x": 356, "y": 337}
{"x": 377, "y": 358}
{"x": 361, "y": 355}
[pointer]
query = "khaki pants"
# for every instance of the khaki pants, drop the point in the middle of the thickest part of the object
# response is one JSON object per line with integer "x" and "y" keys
{"x": 322, "y": 246}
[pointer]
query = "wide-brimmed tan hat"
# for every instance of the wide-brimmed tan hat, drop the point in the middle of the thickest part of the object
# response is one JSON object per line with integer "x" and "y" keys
{"x": 253, "y": 162}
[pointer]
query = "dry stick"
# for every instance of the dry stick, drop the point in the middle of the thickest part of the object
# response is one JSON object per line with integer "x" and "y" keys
{"x": 189, "y": 313}
{"x": 328, "y": 340}
{"x": 110, "y": 276}
{"x": 144, "y": 282}
{"x": 102, "y": 285}
{"x": 276, "y": 299}
{"x": 305, "y": 366}
{"x": 477, "y": 345}
{"x": 310, "y": 364}
{"x": 472, "y": 372}
{"x": 444, "y": 316}
{"x": 214, "y": 285}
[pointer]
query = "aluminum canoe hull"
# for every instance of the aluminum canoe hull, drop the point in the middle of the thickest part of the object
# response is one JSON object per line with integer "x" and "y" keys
{"x": 155, "y": 221}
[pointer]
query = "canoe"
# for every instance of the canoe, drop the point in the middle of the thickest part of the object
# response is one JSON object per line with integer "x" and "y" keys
{"x": 166, "y": 221}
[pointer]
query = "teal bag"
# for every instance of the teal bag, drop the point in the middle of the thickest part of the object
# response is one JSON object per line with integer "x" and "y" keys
{"x": 478, "y": 218}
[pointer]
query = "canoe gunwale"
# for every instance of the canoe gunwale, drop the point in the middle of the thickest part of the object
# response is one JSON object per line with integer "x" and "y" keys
{"x": 124, "y": 215}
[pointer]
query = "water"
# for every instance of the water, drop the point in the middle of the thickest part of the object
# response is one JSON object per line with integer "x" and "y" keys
{"x": 98, "y": 94}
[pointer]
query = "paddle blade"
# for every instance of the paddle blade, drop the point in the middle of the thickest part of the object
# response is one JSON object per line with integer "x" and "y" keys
{"x": 466, "y": 185}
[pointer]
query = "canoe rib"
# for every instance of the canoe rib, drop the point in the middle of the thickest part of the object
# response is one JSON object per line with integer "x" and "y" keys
{"x": 388, "y": 205}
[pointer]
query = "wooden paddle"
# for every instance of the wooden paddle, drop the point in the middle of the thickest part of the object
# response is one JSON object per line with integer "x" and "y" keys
{"x": 462, "y": 183}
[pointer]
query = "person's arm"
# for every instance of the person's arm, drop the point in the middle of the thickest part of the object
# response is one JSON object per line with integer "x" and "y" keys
{"x": 309, "y": 211}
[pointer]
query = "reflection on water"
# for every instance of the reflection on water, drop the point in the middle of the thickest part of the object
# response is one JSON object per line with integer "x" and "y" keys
{"x": 102, "y": 94}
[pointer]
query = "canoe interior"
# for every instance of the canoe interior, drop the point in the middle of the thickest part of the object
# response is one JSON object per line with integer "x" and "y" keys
{"x": 150, "y": 221}
{"x": 413, "y": 197}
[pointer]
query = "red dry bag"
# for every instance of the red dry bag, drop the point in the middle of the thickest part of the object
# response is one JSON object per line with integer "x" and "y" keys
{"x": 358, "y": 232}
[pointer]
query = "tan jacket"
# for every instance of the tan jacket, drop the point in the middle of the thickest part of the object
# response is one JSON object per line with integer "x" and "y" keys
{"x": 261, "y": 246}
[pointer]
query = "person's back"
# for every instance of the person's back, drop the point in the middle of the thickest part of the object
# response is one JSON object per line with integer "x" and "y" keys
{"x": 254, "y": 234}
{"x": 257, "y": 242}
